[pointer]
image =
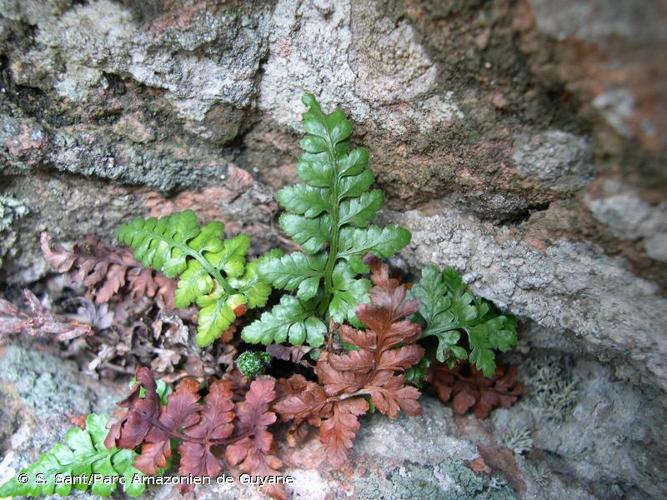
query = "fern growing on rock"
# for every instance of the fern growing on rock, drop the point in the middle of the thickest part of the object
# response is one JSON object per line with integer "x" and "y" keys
{"x": 212, "y": 272}
{"x": 329, "y": 215}
{"x": 373, "y": 372}
{"x": 82, "y": 459}
{"x": 373, "y": 360}
{"x": 448, "y": 308}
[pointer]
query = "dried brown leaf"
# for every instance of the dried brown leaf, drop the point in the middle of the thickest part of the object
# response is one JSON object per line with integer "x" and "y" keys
{"x": 200, "y": 425}
{"x": 468, "y": 388}
{"x": 107, "y": 271}
{"x": 197, "y": 458}
{"x": 252, "y": 454}
{"x": 337, "y": 433}
{"x": 292, "y": 353}
{"x": 39, "y": 321}
{"x": 376, "y": 369}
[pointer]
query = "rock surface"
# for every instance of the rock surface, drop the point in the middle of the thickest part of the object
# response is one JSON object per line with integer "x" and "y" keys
{"x": 523, "y": 142}
{"x": 39, "y": 393}
{"x": 584, "y": 432}
{"x": 569, "y": 286}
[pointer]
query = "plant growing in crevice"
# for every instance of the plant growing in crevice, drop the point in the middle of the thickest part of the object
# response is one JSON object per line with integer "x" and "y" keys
{"x": 469, "y": 389}
{"x": 200, "y": 424}
{"x": 83, "y": 455}
{"x": 38, "y": 320}
{"x": 554, "y": 386}
{"x": 329, "y": 216}
{"x": 107, "y": 271}
{"x": 519, "y": 441}
{"x": 448, "y": 309}
{"x": 376, "y": 331}
{"x": 212, "y": 272}
{"x": 372, "y": 373}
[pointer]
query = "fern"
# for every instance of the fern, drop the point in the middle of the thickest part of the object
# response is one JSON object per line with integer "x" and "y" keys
{"x": 448, "y": 308}
{"x": 83, "y": 454}
{"x": 212, "y": 272}
{"x": 329, "y": 216}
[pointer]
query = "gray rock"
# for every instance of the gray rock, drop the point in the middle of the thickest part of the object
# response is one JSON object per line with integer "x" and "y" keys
{"x": 618, "y": 107}
{"x": 595, "y": 19}
{"x": 320, "y": 45}
{"x": 103, "y": 37}
{"x": 656, "y": 246}
{"x": 40, "y": 392}
{"x": 557, "y": 159}
{"x": 11, "y": 210}
{"x": 67, "y": 210}
{"x": 570, "y": 286}
{"x": 620, "y": 207}
{"x": 592, "y": 423}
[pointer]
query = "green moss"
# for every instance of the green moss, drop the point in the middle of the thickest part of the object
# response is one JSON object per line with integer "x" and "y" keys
{"x": 253, "y": 363}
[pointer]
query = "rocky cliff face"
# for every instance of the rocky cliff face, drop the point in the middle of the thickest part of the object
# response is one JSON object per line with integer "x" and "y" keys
{"x": 523, "y": 142}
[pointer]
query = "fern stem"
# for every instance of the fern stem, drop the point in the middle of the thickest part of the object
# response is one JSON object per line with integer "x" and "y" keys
{"x": 195, "y": 255}
{"x": 202, "y": 440}
{"x": 333, "y": 245}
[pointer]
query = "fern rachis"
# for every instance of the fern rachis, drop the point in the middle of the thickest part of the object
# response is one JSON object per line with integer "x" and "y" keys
{"x": 329, "y": 216}
{"x": 212, "y": 272}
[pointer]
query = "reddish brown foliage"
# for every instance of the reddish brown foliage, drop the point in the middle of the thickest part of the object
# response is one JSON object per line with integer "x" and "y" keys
{"x": 470, "y": 389}
{"x": 479, "y": 465}
{"x": 38, "y": 320}
{"x": 78, "y": 420}
{"x": 384, "y": 351}
{"x": 292, "y": 353}
{"x": 214, "y": 425}
{"x": 107, "y": 271}
{"x": 200, "y": 424}
{"x": 252, "y": 453}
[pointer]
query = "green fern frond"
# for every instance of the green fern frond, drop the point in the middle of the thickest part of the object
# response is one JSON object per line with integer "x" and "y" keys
{"x": 84, "y": 458}
{"x": 329, "y": 215}
{"x": 212, "y": 272}
{"x": 292, "y": 321}
{"x": 448, "y": 309}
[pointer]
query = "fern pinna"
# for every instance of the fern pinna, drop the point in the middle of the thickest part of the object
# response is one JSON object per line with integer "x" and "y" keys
{"x": 329, "y": 216}
{"x": 212, "y": 272}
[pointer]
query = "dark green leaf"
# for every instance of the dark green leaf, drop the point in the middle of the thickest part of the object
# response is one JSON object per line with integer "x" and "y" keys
{"x": 361, "y": 211}
{"x": 316, "y": 171}
{"x": 292, "y": 320}
{"x": 304, "y": 200}
{"x": 448, "y": 308}
{"x": 383, "y": 242}
{"x": 334, "y": 204}
{"x": 355, "y": 185}
{"x": 348, "y": 293}
{"x": 353, "y": 163}
{"x": 311, "y": 234}
{"x": 295, "y": 271}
